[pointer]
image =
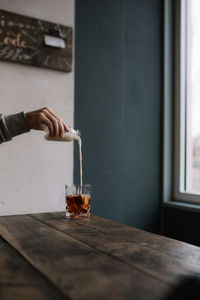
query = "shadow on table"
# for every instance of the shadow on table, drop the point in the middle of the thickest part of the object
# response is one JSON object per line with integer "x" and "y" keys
{"x": 188, "y": 288}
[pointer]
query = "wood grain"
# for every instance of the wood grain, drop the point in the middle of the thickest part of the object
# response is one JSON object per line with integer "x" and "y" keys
{"x": 171, "y": 247}
{"x": 131, "y": 250}
{"x": 18, "y": 280}
{"x": 77, "y": 269}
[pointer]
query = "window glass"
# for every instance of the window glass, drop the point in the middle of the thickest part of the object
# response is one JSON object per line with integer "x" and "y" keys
{"x": 192, "y": 94}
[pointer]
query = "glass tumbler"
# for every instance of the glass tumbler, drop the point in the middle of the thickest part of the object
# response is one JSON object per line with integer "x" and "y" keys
{"x": 77, "y": 199}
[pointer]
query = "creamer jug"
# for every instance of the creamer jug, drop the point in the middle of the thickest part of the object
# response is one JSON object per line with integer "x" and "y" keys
{"x": 68, "y": 136}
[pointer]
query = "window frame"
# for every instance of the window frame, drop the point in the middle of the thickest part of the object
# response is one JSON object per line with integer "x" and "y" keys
{"x": 174, "y": 106}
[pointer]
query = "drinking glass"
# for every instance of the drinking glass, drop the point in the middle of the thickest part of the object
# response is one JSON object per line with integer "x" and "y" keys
{"x": 77, "y": 199}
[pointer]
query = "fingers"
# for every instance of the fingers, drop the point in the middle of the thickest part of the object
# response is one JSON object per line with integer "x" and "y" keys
{"x": 51, "y": 112}
{"x": 38, "y": 119}
{"x": 48, "y": 123}
{"x": 60, "y": 126}
{"x": 62, "y": 123}
{"x": 53, "y": 121}
{"x": 66, "y": 127}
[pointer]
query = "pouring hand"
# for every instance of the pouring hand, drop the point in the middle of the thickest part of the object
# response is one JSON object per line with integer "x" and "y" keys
{"x": 46, "y": 117}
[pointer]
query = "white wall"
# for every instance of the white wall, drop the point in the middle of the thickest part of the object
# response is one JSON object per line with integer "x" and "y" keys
{"x": 33, "y": 172}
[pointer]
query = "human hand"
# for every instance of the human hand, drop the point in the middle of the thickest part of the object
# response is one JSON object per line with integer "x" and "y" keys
{"x": 46, "y": 118}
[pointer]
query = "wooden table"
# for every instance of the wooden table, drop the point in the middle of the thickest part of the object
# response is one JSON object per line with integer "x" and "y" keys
{"x": 44, "y": 256}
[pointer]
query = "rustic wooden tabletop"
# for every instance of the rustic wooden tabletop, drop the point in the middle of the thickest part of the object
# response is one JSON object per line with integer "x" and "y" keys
{"x": 45, "y": 256}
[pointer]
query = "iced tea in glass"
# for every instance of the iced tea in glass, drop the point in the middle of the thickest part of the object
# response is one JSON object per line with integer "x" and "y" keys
{"x": 77, "y": 200}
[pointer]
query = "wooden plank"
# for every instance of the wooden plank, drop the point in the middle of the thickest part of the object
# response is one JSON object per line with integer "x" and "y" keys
{"x": 24, "y": 293}
{"x": 19, "y": 280}
{"x": 171, "y": 247}
{"x": 76, "y": 268}
{"x": 162, "y": 265}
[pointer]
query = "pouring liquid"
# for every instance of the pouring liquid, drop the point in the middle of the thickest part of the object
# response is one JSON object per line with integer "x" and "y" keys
{"x": 80, "y": 160}
{"x": 68, "y": 137}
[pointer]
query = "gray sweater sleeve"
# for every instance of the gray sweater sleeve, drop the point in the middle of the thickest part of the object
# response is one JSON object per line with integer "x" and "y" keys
{"x": 11, "y": 126}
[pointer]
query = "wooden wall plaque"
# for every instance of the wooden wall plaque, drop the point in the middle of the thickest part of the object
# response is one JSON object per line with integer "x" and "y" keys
{"x": 31, "y": 41}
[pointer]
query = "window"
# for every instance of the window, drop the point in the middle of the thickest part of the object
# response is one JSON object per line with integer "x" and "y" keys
{"x": 185, "y": 55}
{"x": 192, "y": 97}
{"x": 187, "y": 141}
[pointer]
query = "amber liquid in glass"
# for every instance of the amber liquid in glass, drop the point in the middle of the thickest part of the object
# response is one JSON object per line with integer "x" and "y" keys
{"x": 78, "y": 205}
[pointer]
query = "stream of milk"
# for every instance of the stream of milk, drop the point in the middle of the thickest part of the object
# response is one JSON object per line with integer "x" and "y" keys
{"x": 68, "y": 137}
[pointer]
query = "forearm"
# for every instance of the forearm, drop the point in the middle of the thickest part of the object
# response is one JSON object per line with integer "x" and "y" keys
{"x": 12, "y": 125}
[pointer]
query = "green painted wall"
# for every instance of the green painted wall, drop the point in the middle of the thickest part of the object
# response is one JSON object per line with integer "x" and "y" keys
{"x": 117, "y": 106}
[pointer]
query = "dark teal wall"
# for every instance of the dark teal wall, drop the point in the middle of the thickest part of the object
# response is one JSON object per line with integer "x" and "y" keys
{"x": 118, "y": 79}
